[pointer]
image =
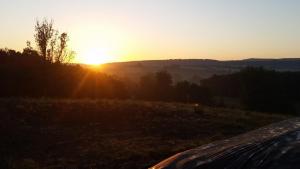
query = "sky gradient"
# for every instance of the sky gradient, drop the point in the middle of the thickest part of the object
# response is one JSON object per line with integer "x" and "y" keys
{"x": 121, "y": 30}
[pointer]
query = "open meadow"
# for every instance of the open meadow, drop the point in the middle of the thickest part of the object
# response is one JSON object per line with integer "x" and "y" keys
{"x": 60, "y": 134}
{"x": 127, "y": 84}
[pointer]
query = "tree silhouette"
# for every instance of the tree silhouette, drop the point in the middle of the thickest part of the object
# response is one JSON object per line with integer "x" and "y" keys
{"x": 52, "y": 51}
{"x": 53, "y": 48}
{"x": 63, "y": 55}
{"x": 156, "y": 86}
{"x": 44, "y": 32}
{"x": 29, "y": 51}
{"x": 164, "y": 79}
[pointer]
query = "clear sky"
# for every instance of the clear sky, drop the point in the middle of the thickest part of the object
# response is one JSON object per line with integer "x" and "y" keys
{"x": 119, "y": 30}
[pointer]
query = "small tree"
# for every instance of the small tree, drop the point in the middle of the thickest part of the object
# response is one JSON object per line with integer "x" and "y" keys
{"x": 44, "y": 32}
{"x": 164, "y": 79}
{"x": 51, "y": 52}
{"x": 53, "y": 48}
{"x": 29, "y": 50}
{"x": 63, "y": 55}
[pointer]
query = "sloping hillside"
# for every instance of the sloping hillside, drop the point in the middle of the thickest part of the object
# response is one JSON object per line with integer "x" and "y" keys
{"x": 108, "y": 134}
{"x": 195, "y": 69}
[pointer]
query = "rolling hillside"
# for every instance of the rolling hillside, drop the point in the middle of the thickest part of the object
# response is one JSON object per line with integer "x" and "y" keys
{"x": 195, "y": 69}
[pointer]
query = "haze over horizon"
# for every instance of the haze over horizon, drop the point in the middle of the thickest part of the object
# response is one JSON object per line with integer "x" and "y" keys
{"x": 125, "y": 30}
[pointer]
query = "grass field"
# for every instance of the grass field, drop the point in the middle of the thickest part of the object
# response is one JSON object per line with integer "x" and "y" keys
{"x": 111, "y": 134}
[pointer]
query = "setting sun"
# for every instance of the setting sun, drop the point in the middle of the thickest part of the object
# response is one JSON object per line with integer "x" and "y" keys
{"x": 95, "y": 57}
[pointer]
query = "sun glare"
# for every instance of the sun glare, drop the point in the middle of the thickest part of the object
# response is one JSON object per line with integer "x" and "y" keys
{"x": 95, "y": 57}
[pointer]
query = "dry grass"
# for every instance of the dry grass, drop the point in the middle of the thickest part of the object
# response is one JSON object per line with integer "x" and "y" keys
{"x": 110, "y": 133}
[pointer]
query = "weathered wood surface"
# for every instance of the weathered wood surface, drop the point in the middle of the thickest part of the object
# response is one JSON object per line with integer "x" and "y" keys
{"x": 276, "y": 146}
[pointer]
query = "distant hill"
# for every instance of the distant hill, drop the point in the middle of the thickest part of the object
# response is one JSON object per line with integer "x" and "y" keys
{"x": 195, "y": 69}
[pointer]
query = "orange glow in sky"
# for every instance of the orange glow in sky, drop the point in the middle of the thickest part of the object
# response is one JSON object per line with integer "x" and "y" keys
{"x": 121, "y": 30}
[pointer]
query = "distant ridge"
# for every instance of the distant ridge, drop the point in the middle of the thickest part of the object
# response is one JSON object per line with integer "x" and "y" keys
{"x": 210, "y": 60}
{"x": 196, "y": 69}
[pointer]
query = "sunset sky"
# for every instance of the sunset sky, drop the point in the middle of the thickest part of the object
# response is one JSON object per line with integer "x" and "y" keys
{"x": 121, "y": 30}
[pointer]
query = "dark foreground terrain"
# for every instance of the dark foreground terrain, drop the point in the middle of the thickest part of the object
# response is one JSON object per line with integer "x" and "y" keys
{"x": 111, "y": 134}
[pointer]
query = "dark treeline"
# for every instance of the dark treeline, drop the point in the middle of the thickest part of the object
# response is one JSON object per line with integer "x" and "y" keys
{"x": 259, "y": 89}
{"x": 25, "y": 74}
{"x": 159, "y": 86}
